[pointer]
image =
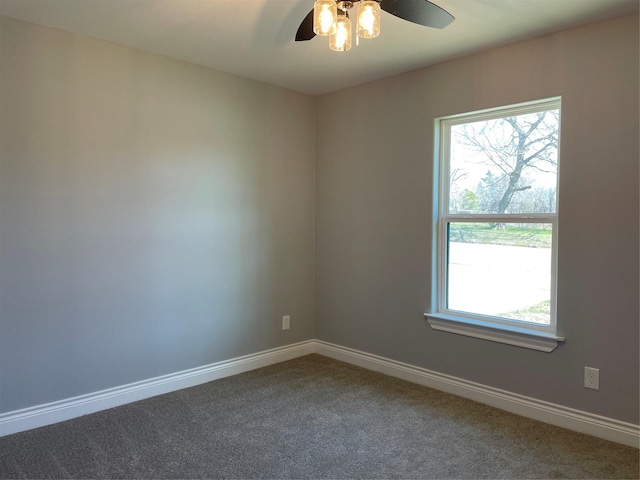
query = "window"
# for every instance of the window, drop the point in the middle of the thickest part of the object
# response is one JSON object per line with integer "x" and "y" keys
{"x": 497, "y": 224}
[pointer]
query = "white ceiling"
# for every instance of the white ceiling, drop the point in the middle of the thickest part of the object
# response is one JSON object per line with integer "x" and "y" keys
{"x": 254, "y": 38}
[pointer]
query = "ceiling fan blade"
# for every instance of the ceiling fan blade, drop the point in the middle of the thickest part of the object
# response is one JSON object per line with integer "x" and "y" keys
{"x": 421, "y": 12}
{"x": 305, "y": 30}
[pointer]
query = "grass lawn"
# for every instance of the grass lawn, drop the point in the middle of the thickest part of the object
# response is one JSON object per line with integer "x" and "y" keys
{"x": 534, "y": 235}
{"x": 539, "y": 313}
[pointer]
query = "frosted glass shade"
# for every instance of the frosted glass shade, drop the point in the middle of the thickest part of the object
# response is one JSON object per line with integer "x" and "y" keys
{"x": 325, "y": 13}
{"x": 340, "y": 41}
{"x": 368, "y": 19}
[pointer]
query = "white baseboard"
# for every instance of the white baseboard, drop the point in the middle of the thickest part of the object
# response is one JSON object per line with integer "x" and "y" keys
{"x": 41, "y": 415}
{"x": 584, "y": 422}
{"x": 576, "y": 420}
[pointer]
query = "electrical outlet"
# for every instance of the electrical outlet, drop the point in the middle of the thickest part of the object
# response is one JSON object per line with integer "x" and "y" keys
{"x": 286, "y": 322}
{"x": 592, "y": 378}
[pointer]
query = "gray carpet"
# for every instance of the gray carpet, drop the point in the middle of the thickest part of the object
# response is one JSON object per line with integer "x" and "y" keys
{"x": 311, "y": 417}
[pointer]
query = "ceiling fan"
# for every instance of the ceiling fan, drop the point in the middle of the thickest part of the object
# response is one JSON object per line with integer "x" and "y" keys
{"x": 336, "y": 13}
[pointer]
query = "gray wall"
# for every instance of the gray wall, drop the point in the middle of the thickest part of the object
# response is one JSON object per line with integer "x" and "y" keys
{"x": 154, "y": 215}
{"x": 157, "y": 216}
{"x": 374, "y": 214}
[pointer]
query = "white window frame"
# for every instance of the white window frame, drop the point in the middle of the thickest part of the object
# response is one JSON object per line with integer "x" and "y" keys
{"x": 524, "y": 334}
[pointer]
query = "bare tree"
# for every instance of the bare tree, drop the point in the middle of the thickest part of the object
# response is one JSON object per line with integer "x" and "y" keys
{"x": 457, "y": 174}
{"x": 515, "y": 145}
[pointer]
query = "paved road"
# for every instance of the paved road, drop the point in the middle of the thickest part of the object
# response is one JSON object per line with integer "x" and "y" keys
{"x": 496, "y": 279}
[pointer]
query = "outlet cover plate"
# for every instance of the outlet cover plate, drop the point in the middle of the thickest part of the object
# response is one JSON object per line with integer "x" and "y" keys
{"x": 592, "y": 378}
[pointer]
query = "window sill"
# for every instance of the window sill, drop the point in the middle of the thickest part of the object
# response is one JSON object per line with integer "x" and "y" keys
{"x": 521, "y": 337}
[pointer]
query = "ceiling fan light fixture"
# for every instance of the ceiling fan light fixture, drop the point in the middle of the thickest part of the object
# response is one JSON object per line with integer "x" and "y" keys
{"x": 368, "y": 19}
{"x": 420, "y": 12}
{"x": 325, "y": 14}
{"x": 340, "y": 41}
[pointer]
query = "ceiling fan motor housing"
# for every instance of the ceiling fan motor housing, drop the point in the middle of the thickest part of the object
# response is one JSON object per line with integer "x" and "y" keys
{"x": 346, "y": 5}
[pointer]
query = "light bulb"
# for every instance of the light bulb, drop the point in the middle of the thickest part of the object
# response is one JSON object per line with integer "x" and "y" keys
{"x": 326, "y": 20}
{"x": 367, "y": 19}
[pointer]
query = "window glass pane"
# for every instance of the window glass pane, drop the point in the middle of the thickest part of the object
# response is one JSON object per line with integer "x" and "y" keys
{"x": 505, "y": 165}
{"x": 501, "y": 270}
